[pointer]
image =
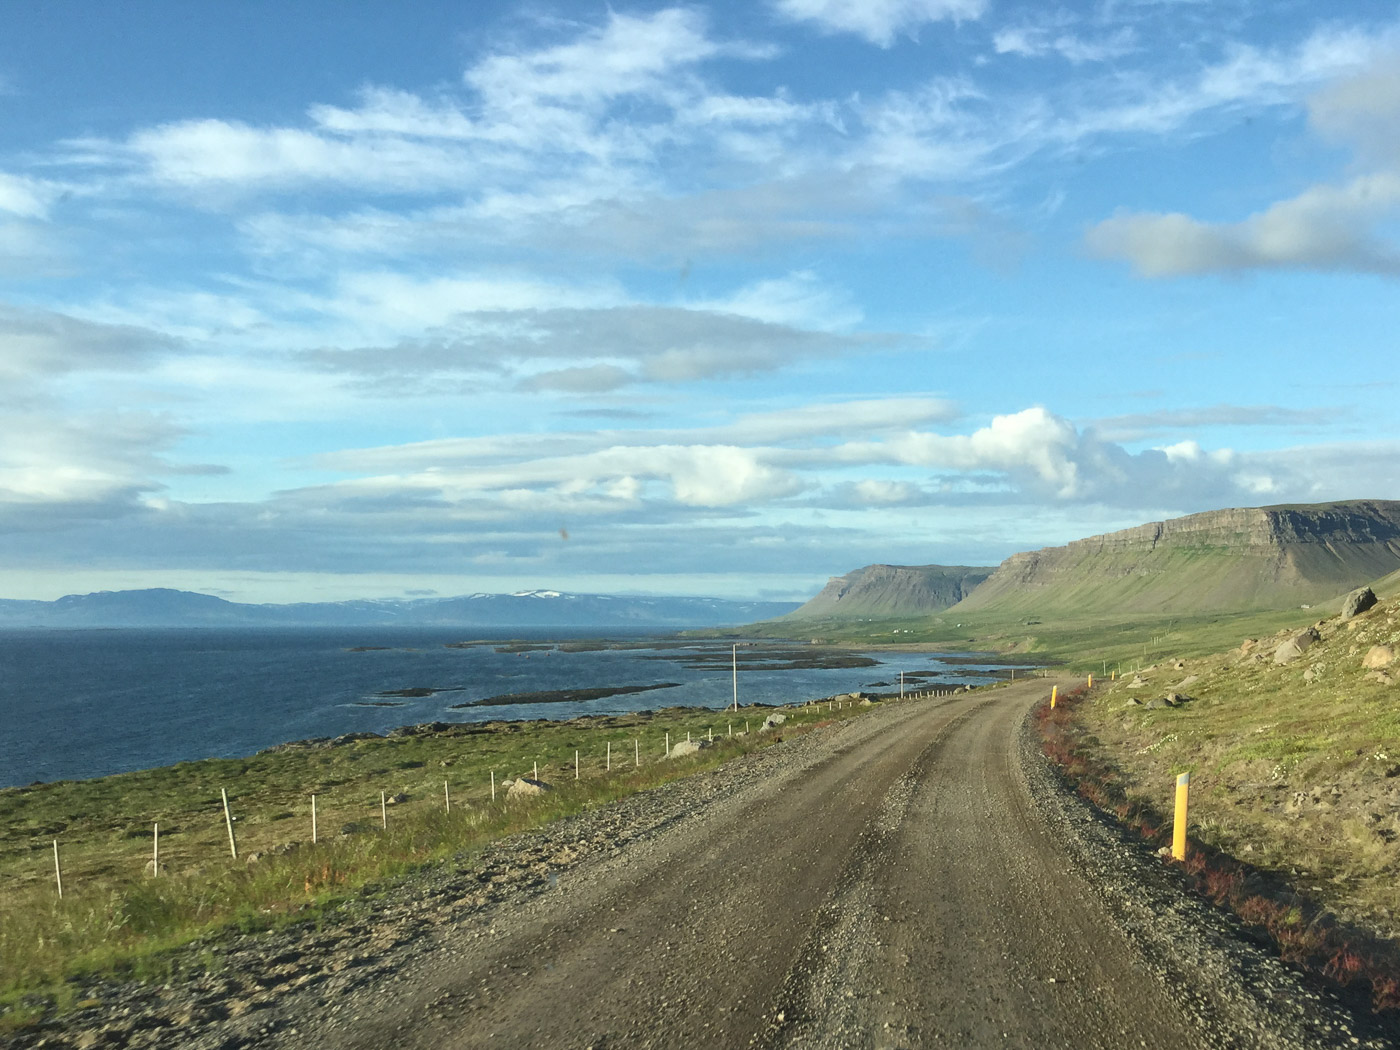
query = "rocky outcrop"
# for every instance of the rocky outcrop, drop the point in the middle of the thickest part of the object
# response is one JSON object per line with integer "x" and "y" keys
{"x": 1357, "y": 602}
{"x": 1225, "y": 560}
{"x": 892, "y": 590}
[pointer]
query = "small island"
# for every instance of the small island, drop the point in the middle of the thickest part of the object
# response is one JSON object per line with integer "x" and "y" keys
{"x": 565, "y": 696}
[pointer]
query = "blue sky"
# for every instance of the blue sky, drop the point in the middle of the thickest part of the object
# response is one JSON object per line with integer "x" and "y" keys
{"x": 326, "y": 300}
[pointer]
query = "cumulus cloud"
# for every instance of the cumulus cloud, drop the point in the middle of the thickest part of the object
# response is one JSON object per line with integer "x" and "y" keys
{"x": 878, "y": 21}
{"x": 1037, "y": 455}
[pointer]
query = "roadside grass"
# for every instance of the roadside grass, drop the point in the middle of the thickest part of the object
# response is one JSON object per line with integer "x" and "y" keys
{"x": 117, "y": 917}
{"x": 1295, "y": 784}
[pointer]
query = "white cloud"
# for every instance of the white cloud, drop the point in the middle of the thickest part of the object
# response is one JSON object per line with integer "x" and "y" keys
{"x": 1330, "y": 226}
{"x": 386, "y": 111}
{"x": 1324, "y": 228}
{"x": 878, "y": 21}
{"x": 627, "y": 56}
{"x": 1035, "y": 41}
{"x": 26, "y": 197}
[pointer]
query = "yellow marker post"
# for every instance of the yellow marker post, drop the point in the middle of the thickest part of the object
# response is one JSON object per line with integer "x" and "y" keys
{"x": 1183, "y": 782}
{"x": 1091, "y": 681}
{"x": 1054, "y": 695}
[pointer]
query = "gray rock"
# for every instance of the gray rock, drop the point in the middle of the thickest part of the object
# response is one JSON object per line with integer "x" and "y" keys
{"x": 1357, "y": 602}
{"x": 1294, "y": 647}
{"x": 774, "y": 720}
{"x": 527, "y": 788}
{"x": 690, "y": 747}
{"x": 1157, "y": 704}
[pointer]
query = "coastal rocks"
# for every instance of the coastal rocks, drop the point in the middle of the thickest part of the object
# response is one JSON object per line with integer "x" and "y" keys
{"x": 525, "y": 788}
{"x": 1357, "y": 602}
{"x": 1378, "y": 656}
{"x": 1294, "y": 647}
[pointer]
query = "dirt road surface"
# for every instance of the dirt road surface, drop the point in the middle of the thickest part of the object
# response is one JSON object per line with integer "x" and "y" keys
{"x": 912, "y": 878}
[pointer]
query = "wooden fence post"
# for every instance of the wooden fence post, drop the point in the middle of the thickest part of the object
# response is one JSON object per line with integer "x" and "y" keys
{"x": 228, "y": 819}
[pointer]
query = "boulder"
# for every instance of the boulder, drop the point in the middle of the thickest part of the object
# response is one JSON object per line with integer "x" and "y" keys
{"x": 774, "y": 720}
{"x": 1357, "y": 602}
{"x": 1190, "y": 679}
{"x": 690, "y": 747}
{"x": 1293, "y": 648}
{"x": 527, "y": 788}
{"x": 1378, "y": 656}
{"x": 1158, "y": 704}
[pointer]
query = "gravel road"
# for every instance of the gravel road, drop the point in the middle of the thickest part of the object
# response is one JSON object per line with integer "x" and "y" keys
{"x": 912, "y": 878}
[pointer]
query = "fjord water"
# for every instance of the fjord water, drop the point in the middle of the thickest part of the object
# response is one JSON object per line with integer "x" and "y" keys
{"x": 91, "y": 702}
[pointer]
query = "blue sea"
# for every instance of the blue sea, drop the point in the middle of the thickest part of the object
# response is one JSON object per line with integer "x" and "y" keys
{"x": 87, "y": 703}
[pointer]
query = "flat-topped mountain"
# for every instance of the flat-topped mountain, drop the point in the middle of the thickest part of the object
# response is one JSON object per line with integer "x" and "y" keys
{"x": 892, "y": 590}
{"x": 1221, "y": 560}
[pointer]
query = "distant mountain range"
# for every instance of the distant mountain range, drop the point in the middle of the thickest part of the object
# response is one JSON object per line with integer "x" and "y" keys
{"x": 162, "y": 607}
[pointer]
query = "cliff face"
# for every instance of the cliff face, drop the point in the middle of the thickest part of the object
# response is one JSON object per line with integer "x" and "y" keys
{"x": 1225, "y": 560}
{"x": 892, "y": 590}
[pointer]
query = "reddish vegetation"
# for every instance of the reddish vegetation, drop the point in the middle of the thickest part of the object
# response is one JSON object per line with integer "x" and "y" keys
{"x": 1302, "y": 933}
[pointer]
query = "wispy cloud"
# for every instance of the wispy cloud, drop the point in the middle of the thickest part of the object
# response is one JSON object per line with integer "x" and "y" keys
{"x": 878, "y": 21}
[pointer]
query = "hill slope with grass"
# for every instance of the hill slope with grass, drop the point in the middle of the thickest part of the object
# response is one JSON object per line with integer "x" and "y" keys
{"x": 892, "y": 590}
{"x": 1292, "y": 751}
{"x": 1236, "y": 560}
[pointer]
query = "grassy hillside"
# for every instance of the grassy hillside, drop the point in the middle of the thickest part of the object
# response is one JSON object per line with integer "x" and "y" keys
{"x": 1222, "y": 561}
{"x": 1295, "y": 767}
